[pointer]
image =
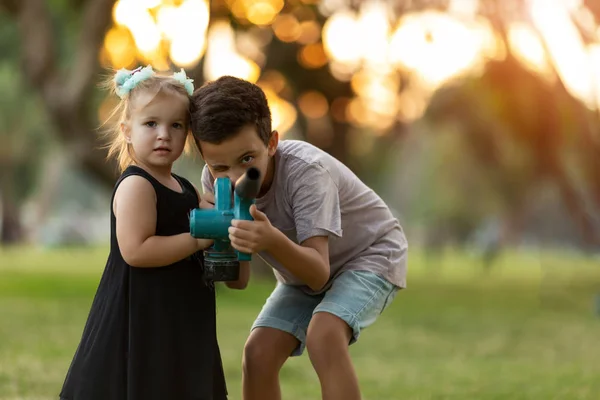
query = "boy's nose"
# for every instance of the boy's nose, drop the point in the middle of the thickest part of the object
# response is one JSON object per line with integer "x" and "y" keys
{"x": 234, "y": 178}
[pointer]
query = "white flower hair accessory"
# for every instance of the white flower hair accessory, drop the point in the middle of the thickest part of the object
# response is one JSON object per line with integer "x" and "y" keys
{"x": 185, "y": 81}
{"x": 127, "y": 80}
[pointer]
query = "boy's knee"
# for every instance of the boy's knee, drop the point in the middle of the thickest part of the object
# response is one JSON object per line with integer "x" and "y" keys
{"x": 264, "y": 354}
{"x": 327, "y": 335}
{"x": 257, "y": 357}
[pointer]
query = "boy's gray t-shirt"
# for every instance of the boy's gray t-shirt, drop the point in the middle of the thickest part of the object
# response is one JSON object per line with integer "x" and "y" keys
{"x": 314, "y": 194}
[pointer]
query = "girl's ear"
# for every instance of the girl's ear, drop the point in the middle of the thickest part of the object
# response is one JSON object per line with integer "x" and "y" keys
{"x": 125, "y": 132}
{"x": 273, "y": 142}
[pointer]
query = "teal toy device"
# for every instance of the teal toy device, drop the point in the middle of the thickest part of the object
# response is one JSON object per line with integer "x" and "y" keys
{"x": 221, "y": 261}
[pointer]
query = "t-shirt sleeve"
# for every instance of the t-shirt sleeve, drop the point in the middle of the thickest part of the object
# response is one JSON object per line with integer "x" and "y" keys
{"x": 207, "y": 181}
{"x": 315, "y": 203}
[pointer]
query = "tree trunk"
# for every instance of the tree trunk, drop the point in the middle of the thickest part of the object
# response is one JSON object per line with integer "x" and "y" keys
{"x": 46, "y": 193}
{"x": 12, "y": 229}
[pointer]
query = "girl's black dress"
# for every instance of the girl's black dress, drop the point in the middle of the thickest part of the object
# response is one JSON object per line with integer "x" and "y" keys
{"x": 151, "y": 332}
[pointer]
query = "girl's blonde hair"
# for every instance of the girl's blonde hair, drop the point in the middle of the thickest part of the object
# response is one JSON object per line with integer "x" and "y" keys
{"x": 125, "y": 84}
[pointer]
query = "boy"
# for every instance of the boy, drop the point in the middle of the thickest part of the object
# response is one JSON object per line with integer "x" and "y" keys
{"x": 338, "y": 253}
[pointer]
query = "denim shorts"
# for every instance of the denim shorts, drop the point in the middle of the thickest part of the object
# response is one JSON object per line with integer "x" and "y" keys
{"x": 356, "y": 297}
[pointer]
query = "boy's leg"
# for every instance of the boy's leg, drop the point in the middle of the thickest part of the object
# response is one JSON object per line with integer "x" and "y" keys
{"x": 278, "y": 333}
{"x": 265, "y": 352}
{"x": 353, "y": 302}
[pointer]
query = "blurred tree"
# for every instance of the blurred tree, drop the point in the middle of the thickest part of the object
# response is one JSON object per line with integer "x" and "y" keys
{"x": 23, "y": 134}
{"x": 515, "y": 124}
{"x": 521, "y": 128}
{"x": 59, "y": 45}
{"x": 285, "y": 58}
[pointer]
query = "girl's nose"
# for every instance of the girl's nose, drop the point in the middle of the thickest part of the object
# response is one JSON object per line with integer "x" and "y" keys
{"x": 163, "y": 133}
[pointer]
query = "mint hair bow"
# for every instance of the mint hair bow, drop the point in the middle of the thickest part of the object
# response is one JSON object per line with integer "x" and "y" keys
{"x": 127, "y": 80}
{"x": 185, "y": 81}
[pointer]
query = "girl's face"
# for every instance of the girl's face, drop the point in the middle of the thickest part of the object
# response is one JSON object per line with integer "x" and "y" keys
{"x": 157, "y": 129}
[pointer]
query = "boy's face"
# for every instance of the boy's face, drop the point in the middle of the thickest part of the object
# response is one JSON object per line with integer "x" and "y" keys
{"x": 232, "y": 157}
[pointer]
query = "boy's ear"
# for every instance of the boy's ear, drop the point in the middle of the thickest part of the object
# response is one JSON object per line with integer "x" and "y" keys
{"x": 273, "y": 142}
{"x": 125, "y": 131}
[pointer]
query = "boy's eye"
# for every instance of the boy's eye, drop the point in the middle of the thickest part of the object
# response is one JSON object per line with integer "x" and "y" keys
{"x": 177, "y": 125}
{"x": 151, "y": 124}
{"x": 247, "y": 159}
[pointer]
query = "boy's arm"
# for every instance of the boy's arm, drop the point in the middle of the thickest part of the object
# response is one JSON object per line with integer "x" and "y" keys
{"x": 315, "y": 204}
{"x": 308, "y": 261}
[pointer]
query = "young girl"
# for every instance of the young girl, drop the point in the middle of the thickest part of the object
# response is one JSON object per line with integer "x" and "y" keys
{"x": 151, "y": 330}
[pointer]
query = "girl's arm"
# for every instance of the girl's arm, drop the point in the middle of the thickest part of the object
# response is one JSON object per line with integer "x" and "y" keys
{"x": 135, "y": 210}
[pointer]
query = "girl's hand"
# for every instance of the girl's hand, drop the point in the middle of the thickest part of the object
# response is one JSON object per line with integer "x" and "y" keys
{"x": 207, "y": 200}
{"x": 252, "y": 236}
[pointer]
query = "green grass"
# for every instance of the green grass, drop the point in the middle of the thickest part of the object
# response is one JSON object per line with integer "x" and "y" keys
{"x": 527, "y": 330}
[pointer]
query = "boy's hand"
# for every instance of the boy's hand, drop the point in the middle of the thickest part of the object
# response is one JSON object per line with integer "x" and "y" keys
{"x": 251, "y": 236}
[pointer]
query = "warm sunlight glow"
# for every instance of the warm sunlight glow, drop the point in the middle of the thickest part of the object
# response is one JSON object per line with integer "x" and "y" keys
{"x": 393, "y": 61}
{"x": 380, "y": 90}
{"x": 123, "y": 10}
{"x": 146, "y": 34}
{"x": 257, "y": 12}
{"x": 527, "y": 46}
{"x": 412, "y": 103}
{"x": 222, "y": 57}
{"x": 377, "y": 102}
{"x": 120, "y": 47}
{"x": 594, "y": 53}
{"x": 186, "y": 51}
{"x": 261, "y": 13}
{"x": 286, "y": 28}
{"x": 463, "y": 8}
{"x": 342, "y": 38}
{"x": 354, "y": 38}
{"x": 167, "y": 19}
{"x": 310, "y": 32}
{"x": 374, "y": 27}
{"x": 150, "y": 22}
{"x": 313, "y": 104}
{"x": 312, "y": 56}
{"x": 147, "y": 4}
{"x": 438, "y": 47}
{"x": 283, "y": 113}
{"x": 188, "y": 32}
{"x": 357, "y": 44}
{"x": 566, "y": 48}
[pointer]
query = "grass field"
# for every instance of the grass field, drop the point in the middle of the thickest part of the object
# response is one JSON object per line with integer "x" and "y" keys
{"x": 527, "y": 330}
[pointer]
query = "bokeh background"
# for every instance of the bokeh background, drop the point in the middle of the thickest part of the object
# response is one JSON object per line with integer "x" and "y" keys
{"x": 476, "y": 120}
